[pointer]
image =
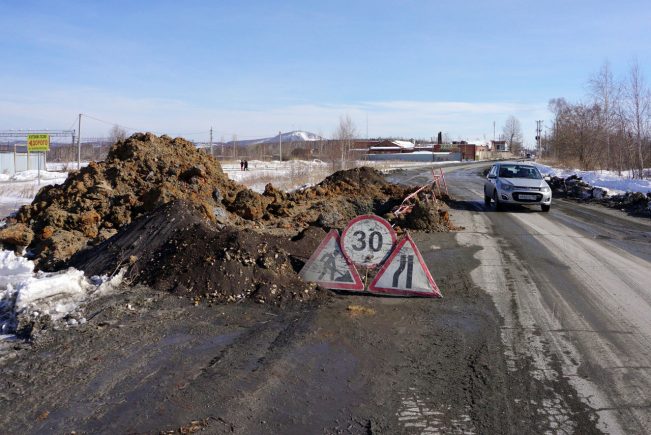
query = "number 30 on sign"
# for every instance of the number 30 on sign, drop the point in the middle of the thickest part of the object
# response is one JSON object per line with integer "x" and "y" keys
{"x": 368, "y": 240}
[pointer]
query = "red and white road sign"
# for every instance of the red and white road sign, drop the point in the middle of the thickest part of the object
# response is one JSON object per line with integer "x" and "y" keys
{"x": 405, "y": 273}
{"x": 329, "y": 268}
{"x": 367, "y": 240}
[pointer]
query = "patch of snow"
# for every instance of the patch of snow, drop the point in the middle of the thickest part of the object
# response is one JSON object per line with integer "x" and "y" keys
{"x": 32, "y": 175}
{"x": 608, "y": 180}
{"x": 24, "y": 293}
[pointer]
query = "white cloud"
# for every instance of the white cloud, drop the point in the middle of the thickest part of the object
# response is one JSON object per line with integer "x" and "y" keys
{"x": 57, "y": 109}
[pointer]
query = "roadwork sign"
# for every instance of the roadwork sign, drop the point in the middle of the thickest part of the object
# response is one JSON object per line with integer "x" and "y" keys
{"x": 368, "y": 240}
{"x": 405, "y": 273}
{"x": 329, "y": 268}
{"x": 38, "y": 142}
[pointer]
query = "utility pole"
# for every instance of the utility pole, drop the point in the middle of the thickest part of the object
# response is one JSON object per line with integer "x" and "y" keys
{"x": 538, "y": 135}
{"x": 222, "y": 140}
{"x": 211, "y": 153}
{"x": 280, "y": 141}
{"x": 493, "y": 131}
{"x": 79, "y": 144}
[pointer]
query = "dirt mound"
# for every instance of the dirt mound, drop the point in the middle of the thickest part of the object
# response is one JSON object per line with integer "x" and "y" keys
{"x": 144, "y": 173}
{"x": 177, "y": 249}
{"x": 140, "y": 174}
{"x": 345, "y": 195}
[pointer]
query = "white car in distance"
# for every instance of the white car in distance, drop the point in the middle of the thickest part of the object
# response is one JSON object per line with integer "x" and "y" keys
{"x": 516, "y": 183}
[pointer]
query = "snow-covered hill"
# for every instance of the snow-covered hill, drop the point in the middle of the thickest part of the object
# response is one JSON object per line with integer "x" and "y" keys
{"x": 292, "y": 136}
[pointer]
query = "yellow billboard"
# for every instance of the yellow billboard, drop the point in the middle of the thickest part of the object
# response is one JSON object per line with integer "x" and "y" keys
{"x": 38, "y": 142}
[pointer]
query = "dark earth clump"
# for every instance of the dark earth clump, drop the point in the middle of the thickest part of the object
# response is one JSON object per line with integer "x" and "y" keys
{"x": 176, "y": 249}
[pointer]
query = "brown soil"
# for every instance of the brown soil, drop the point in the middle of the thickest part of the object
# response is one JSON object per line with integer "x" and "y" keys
{"x": 169, "y": 211}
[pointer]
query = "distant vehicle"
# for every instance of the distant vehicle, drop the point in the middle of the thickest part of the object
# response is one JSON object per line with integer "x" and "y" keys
{"x": 516, "y": 183}
{"x": 528, "y": 155}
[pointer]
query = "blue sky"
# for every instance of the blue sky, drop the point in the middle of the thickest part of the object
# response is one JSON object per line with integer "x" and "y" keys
{"x": 252, "y": 68}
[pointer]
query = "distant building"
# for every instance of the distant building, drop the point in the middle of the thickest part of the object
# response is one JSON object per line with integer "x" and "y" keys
{"x": 500, "y": 146}
{"x": 392, "y": 146}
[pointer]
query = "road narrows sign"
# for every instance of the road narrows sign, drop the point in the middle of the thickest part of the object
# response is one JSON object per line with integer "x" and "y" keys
{"x": 367, "y": 240}
{"x": 405, "y": 273}
{"x": 329, "y": 268}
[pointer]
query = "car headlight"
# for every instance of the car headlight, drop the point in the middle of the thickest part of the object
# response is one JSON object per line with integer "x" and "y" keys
{"x": 545, "y": 189}
{"x": 506, "y": 187}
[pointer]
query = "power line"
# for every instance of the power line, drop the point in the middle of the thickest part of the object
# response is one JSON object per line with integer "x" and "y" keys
{"x": 110, "y": 123}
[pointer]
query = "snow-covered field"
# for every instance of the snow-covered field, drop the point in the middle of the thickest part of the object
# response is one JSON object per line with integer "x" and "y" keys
{"x": 608, "y": 180}
{"x": 21, "y": 188}
{"x": 293, "y": 174}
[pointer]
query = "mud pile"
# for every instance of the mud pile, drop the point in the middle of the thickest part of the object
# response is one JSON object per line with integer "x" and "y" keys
{"x": 139, "y": 175}
{"x": 176, "y": 248}
{"x": 168, "y": 212}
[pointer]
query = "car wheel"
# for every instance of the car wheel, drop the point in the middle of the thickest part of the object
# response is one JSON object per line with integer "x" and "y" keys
{"x": 545, "y": 207}
{"x": 498, "y": 204}
{"x": 487, "y": 199}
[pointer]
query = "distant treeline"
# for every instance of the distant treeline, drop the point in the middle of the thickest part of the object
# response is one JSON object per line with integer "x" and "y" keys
{"x": 611, "y": 129}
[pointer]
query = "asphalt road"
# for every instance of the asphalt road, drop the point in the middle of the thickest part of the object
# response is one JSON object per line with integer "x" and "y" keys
{"x": 545, "y": 327}
{"x": 574, "y": 289}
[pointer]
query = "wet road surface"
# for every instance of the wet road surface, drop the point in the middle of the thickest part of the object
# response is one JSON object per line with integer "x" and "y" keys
{"x": 574, "y": 288}
{"x": 544, "y": 328}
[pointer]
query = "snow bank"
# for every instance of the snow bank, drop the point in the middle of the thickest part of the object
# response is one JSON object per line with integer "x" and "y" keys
{"x": 24, "y": 293}
{"x": 32, "y": 175}
{"x": 607, "y": 180}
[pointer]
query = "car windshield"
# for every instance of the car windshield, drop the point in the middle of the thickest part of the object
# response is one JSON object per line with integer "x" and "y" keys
{"x": 519, "y": 171}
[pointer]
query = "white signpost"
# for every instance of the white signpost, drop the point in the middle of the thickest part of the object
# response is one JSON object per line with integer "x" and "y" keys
{"x": 405, "y": 273}
{"x": 329, "y": 268}
{"x": 368, "y": 240}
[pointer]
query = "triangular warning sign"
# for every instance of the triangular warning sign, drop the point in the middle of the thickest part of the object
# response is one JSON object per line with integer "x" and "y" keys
{"x": 329, "y": 268}
{"x": 405, "y": 273}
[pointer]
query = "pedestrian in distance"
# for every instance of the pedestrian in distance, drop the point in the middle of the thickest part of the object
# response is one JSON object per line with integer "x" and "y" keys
{"x": 241, "y": 165}
{"x": 246, "y": 165}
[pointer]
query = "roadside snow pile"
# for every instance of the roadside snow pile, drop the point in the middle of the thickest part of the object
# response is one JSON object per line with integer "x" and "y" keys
{"x": 609, "y": 180}
{"x": 630, "y": 195}
{"x": 32, "y": 301}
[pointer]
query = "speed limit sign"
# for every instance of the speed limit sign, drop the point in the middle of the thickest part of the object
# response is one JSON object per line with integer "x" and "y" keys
{"x": 368, "y": 240}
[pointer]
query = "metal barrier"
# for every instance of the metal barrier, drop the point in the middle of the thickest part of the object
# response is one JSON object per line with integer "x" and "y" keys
{"x": 426, "y": 192}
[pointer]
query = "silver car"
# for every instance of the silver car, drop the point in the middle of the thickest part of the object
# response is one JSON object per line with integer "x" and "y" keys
{"x": 516, "y": 183}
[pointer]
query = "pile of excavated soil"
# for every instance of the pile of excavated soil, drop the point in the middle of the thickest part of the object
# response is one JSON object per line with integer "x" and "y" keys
{"x": 175, "y": 248}
{"x": 139, "y": 175}
{"x": 168, "y": 211}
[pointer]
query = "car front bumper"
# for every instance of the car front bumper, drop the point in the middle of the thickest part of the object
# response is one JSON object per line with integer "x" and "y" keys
{"x": 524, "y": 197}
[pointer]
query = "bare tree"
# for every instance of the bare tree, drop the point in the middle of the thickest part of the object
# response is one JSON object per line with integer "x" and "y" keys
{"x": 344, "y": 138}
{"x": 117, "y": 133}
{"x": 612, "y": 131}
{"x": 638, "y": 113}
{"x": 605, "y": 94}
{"x": 512, "y": 132}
